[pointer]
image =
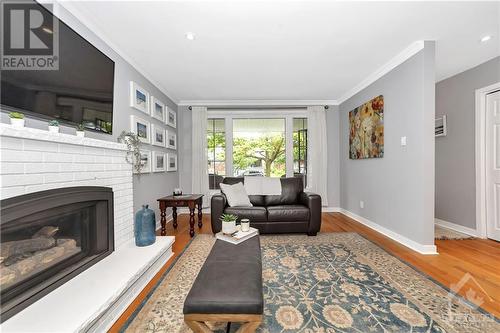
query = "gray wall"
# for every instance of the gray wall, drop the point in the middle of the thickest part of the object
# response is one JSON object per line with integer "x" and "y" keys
{"x": 333, "y": 166}
{"x": 147, "y": 187}
{"x": 398, "y": 189}
{"x": 455, "y": 153}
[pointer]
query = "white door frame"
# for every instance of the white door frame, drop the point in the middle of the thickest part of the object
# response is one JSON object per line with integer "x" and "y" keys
{"x": 480, "y": 121}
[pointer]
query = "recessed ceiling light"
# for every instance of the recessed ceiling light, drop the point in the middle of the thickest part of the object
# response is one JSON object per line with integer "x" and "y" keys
{"x": 485, "y": 38}
{"x": 190, "y": 35}
{"x": 47, "y": 30}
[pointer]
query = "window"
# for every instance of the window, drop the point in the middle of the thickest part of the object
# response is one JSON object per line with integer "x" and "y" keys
{"x": 259, "y": 147}
{"x": 300, "y": 148}
{"x": 216, "y": 140}
{"x": 256, "y": 143}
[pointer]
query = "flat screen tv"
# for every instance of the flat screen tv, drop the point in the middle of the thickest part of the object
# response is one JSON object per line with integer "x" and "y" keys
{"x": 79, "y": 92}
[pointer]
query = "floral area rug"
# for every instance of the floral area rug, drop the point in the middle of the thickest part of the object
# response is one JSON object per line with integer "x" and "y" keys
{"x": 334, "y": 282}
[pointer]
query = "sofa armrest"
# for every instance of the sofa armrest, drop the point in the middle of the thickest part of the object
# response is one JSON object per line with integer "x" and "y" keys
{"x": 217, "y": 206}
{"x": 313, "y": 202}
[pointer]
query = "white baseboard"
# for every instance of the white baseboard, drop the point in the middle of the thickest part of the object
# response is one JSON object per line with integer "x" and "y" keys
{"x": 330, "y": 209}
{"x": 457, "y": 227}
{"x": 420, "y": 248}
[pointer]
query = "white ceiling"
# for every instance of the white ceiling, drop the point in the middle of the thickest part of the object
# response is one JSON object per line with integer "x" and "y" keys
{"x": 277, "y": 50}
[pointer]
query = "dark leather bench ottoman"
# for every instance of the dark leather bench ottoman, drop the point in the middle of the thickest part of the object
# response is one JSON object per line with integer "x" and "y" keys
{"x": 228, "y": 288}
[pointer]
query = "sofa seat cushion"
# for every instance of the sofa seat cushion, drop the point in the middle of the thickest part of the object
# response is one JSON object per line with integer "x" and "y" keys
{"x": 288, "y": 213}
{"x": 252, "y": 213}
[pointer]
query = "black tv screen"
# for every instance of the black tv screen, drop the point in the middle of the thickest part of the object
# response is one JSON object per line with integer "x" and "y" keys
{"x": 79, "y": 92}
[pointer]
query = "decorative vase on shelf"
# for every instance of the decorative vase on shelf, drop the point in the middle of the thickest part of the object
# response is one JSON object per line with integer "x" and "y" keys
{"x": 144, "y": 227}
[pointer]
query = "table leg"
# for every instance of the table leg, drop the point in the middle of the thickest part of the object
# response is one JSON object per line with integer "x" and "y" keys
{"x": 174, "y": 217}
{"x": 163, "y": 219}
{"x": 191, "y": 219}
{"x": 200, "y": 214}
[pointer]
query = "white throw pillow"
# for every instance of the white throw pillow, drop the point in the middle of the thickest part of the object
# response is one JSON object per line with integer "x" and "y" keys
{"x": 236, "y": 195}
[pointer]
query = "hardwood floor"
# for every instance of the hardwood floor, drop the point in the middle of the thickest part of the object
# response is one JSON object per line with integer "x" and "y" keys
{"x": 478, "y": 257}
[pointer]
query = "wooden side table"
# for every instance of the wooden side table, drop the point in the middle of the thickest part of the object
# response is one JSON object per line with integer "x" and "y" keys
{"x": 174, "y": 201}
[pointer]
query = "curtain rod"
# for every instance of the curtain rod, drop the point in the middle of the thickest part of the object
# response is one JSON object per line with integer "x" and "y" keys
{"x": 257, "y": 107}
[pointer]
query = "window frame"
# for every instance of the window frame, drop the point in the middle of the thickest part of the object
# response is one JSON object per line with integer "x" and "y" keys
{"x": 228, "y": 115}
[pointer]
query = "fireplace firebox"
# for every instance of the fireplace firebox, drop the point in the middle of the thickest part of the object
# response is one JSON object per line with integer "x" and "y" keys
{"x": 49, "y": 237}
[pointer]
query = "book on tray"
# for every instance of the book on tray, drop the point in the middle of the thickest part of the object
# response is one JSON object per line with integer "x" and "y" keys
{"x": 238, "y": 236}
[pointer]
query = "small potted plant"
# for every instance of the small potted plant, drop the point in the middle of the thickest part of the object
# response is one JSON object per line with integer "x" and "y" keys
{"x": 16, "y": 119}
{"x": 54, "y": 126}
{"x": 80, "y": 130}
{"x": 228, "y": 223}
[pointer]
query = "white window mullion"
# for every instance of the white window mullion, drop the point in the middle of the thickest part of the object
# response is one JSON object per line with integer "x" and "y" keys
{"x": 289, "y": 145}
{"x": 228, "y": 124}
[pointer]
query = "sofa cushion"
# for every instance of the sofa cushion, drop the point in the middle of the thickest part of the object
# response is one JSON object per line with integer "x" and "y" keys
{"x": 257, "y": 200}
{"x": 288, "y": 213}
{"x": 290, "y": 192}
{"x": 251, "y": 213}
{"x": 236, "y": 195}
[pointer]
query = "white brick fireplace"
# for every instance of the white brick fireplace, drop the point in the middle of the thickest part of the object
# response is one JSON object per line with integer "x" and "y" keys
{"x": 34, "y": 160}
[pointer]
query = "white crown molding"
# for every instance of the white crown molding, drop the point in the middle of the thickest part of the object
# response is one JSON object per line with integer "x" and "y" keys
{"x": 420, "y": 248}
{"x": 259, "y": 102}
{"x": 404, "y": 55}
{"x": 71, "y": 8}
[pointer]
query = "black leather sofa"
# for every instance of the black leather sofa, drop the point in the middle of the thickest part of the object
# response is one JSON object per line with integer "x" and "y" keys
{"x": 294, "y": 211}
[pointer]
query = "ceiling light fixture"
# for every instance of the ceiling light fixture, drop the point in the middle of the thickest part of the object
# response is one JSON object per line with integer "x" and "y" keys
{"x": 485, "y": 38}
{"x": 190, "y": 35}
{"x": 47, "y": 30}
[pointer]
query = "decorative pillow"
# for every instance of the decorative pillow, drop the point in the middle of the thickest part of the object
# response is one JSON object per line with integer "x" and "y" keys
{"x": 236, "y": 195}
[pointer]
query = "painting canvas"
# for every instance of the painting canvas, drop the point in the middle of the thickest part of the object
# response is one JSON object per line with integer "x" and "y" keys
{"x": 158, "y": 135}
{"x": 171, "y": 162}
{"x": 159, "y": 162}
{"x": 141, "y": 128}
{"x": 366, "y": 130}
{"x": 172, "y": 140}
{"x": 171, "y": 118}
{"x": 157, "y": 109}
{"x": 139, "y": 98}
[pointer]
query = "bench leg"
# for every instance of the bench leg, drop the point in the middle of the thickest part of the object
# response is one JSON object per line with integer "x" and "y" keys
{"x": 249, "y": 327}
{"x": 198, "y": 326}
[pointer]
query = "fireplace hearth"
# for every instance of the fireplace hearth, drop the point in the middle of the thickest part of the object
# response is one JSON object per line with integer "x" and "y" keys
{"x": 49, "y": 237}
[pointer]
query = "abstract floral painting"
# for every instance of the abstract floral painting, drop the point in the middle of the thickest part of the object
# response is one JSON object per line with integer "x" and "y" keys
{"x": 366, "y": 130}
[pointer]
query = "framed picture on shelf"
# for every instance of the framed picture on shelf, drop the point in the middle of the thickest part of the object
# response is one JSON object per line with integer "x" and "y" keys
{"x": 145, "y": 161}
{"x": 171, "y": 118}
{"x": 171, "y": 162}
{"x": 171, "y": 140}
{"x": 157, "y": 109}
{"x": 140, "y": 127}
{"x": 159, "y": 162}
{"x": 158, "y": 135}
{"x": 139, "y": 98}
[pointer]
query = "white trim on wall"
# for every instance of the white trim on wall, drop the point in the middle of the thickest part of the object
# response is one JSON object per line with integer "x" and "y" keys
{"x": 252, "y": 102}
{"x": 404, "y": 55}
{"x": 456, "y": 227}
{"x": 480, "y": 130}
{"x": 420, "y": 248}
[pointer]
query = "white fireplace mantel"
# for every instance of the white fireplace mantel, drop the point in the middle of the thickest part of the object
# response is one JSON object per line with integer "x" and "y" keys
{"x": 35, "y": 160}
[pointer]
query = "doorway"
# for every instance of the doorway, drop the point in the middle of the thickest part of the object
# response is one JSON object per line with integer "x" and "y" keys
{"x": 488, "y": 161}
